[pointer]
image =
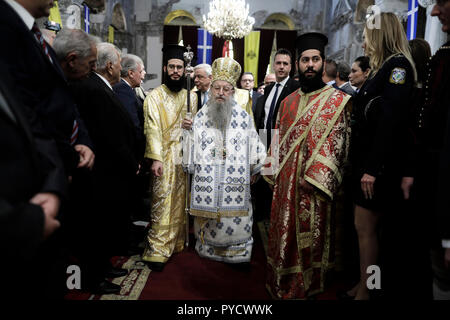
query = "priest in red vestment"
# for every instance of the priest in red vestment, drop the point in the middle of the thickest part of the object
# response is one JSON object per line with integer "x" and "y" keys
{"x": 306, "y": 170}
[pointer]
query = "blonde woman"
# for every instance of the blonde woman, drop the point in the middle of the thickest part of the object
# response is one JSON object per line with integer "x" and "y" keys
{"x": 378, "y": 137}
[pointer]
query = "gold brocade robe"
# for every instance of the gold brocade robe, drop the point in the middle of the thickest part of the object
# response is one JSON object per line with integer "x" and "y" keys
{"x": 314, "y": 139}
{"x": 164, "y": 112}
{"x": 242, "y": 98}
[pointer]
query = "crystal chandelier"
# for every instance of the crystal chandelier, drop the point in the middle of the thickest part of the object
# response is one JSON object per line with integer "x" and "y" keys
{"x": 228, "y": 19}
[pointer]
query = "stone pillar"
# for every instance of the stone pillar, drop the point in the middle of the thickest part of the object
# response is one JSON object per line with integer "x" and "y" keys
{"x": 149, "y": 38}
{"x": 154, "y": 58}
{"x": 344, "y": 33}
{"x": 399, "y": 7}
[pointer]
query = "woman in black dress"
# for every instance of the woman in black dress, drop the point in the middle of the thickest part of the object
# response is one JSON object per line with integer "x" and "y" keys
{"x": 379, "y": 132}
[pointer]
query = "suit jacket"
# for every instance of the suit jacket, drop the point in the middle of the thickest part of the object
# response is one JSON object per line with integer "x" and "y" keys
{"x": 22, "y": 175}
{"x": 132, "y": 104}
{"x": 110, "y": 126}
{"x": 41, "y": 86}
{"x": 347, "y": 88}
{"x": 255, "y": 98}
{"x": 116, "y": 160}
{"x": 199, "y": 99}
{"x": 291, "y": 86}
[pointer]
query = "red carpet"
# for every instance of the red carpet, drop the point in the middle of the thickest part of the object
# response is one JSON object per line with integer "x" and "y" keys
{"x": 188, "y": 277}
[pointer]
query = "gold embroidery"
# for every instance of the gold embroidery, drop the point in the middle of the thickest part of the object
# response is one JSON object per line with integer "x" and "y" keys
{"x": 218, "y": 214}
{"x": 228, "y": 252}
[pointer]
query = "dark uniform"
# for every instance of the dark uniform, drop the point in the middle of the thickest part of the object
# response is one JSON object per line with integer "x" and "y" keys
{"x": 379, "y": 132}
{"x": 433, "y": 174}
{"x": 381, "y": 147}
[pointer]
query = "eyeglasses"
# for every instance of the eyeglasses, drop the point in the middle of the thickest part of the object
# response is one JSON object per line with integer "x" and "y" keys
{"x": 225, "y": 89}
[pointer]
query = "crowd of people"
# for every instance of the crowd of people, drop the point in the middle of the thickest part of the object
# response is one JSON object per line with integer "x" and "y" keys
{"x": 84, "y": 145}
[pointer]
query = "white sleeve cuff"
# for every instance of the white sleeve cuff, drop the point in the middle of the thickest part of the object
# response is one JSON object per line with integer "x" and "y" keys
{"x": 445, "y": 243}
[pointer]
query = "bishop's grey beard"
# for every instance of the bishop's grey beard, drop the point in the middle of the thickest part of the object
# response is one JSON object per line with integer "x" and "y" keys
{"x": 219, "y": 112}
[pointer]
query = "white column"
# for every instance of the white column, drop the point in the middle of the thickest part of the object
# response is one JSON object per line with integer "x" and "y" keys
{"x": 433, "y": 32}
{"x": 142, "y": 10}
{"x": 154, "y": 61}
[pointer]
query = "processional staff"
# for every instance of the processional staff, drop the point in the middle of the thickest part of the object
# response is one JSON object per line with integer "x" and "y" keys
{"x": 188, "y": 56}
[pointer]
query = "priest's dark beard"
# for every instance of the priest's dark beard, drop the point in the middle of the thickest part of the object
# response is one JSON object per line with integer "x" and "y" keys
{"x": 174, "y": 85}
{"x": 311, "y": 84}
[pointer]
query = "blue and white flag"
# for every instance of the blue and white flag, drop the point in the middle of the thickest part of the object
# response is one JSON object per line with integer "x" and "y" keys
{"x": 413, "y": 9}
{"x": 87, "y": 21}
{"x": 204, "y": 48}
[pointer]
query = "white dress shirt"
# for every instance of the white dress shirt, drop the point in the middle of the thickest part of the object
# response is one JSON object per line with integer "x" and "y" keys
{"x": 126, "y": 82}
{"x": 104, "y": 80}
{"x": 271, "y": 96}
{"x": 26, "y": 17}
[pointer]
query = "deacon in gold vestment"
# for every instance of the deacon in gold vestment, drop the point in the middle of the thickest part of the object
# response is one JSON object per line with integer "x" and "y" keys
{"x": 164, "y": 110}
{"x": 313, "y": 125}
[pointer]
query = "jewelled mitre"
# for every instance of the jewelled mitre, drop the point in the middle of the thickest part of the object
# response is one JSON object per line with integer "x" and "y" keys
{"x": 226, "y": 69}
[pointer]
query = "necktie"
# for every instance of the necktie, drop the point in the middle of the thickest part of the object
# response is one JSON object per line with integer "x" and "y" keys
{"x": 272, "y": 107}
{"x": 205, "y": 98}
{"x": 40, "y": 39}
{"x": 269, "y": 118}
{"x": 74, "y": 136}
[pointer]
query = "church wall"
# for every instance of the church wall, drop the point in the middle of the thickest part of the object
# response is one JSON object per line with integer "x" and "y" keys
{"x": 144, "y": 20}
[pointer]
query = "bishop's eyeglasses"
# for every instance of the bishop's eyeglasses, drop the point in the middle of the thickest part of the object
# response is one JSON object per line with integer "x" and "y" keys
{"x": 225, "y": 89}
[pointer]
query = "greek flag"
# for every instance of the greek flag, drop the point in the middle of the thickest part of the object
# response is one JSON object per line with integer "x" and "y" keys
{"x": 204, "y": 47}
{"x": 413, "y": 9}
{"x": 87, "y": 21}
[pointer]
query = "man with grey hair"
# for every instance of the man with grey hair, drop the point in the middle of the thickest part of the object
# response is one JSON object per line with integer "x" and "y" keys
{"x": 114, "y": 173}
{"x": 132, "y": 67}
{"x": 342, "y": 72}
{"x": 131, "y": 78}
{"x": 202, "y": 80}
{"x": 76, "y": 52}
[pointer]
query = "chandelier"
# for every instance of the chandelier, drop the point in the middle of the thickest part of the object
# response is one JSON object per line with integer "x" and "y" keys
{"x": 228, "y": 19}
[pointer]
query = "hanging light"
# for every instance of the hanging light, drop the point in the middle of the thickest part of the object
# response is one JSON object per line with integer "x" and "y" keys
{"x": 228, "y": 19}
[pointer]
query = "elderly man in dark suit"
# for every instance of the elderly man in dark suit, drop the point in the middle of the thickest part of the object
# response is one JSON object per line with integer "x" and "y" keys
{"x": 131, "y": 79}
{"x": 132, "y": 67}
{"x": 76, "y": 51}
{"x": 265, "y": 118}
{"x": 202, "y": 80}
{"x": 114, "y": 173}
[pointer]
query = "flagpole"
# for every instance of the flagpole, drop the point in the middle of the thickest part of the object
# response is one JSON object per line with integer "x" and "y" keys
{"x": 188, "y": 56}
